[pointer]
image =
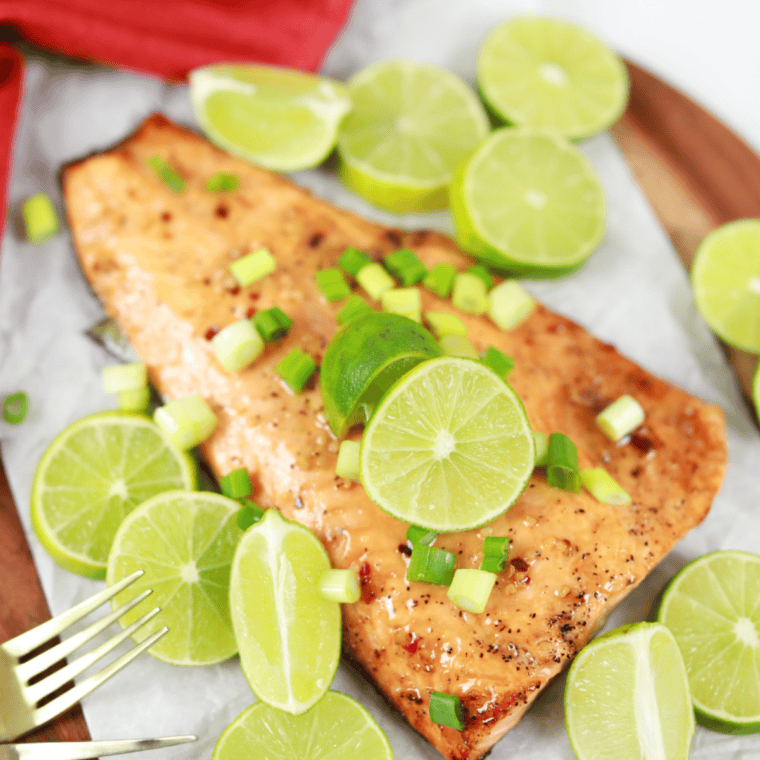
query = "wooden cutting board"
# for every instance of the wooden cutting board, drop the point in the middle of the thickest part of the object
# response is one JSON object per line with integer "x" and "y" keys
{"x": 696, "y": 173}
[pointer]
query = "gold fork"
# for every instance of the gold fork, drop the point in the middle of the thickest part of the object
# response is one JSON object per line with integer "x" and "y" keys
{"x": 85, "y": 750}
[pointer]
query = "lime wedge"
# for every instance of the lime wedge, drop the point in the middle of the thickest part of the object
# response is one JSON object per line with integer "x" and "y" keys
{"x": 713, "y": 609}
{"x": 336, "y": 728}
{"x": 449, "y": 447}
{"x": 541, "y": 72}
{"x": 184, "y": 543}
{"x": 529, "y": 202}
{"x": 411, "y": 125}
{"x": 94, "y": 474}
{"x": 289, "y": 636}
{"x": 627, "y": 697}
{"x": 280, "y": 118}
{"x": 725, "y": 276}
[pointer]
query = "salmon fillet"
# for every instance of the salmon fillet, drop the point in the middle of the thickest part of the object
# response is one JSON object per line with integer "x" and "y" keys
{"x": 159, "y": 263}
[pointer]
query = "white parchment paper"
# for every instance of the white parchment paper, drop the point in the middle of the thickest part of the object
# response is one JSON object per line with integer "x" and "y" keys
{"x": 633, "y": 292}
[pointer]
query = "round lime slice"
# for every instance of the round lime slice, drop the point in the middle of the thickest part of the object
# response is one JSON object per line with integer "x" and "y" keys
{"x": 713, "y": 609}
{"x": 94, "y": 474}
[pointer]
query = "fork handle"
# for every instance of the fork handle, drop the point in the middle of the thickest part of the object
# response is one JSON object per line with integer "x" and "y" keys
{"x": 85, "y": 750}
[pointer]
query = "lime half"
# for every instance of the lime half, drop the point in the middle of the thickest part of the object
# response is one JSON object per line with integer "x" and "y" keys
{"x": 94, "y": 474}
{"x": 713, "y": 609}
{"x": 449, "y": 447}
{"x": 627, "y": 697}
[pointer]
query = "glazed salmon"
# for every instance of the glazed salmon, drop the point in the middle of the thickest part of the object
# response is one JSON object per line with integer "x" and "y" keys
{"x": 159, "y": 261}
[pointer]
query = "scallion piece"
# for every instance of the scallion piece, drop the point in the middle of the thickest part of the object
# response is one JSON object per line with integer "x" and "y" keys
{"x": 620, "y": 418}
{"x": 496, "y": 552}
{"x": 332, "y": 284}
{"x": 222, "y": 181}
{"x": 404, "y": 301}
{"x": 440, "y": 279}
{"x": 542, "y": 448}
{"x": 446, "y": 710}
{"x": 237, "y": 345}
{"x": 469, "y": 293}
{"x": 480, "y": 271}
{"x": 431, "y": 565}
{"x": 167, "y": 174}
{"x": 40, "y": 219}
{"x": 498, "y": 361}
{"x": 471, "y": 588}
{"x": 603, "y": 487}
{"x": 347, "y": 465}
{"x": 355, "y": 307}
{"x": 405, "y": 266}
{"x": 15, "y": 407}
{"x": 562, "y": 463}
{"x": 236, "y": 484}
{"x": 124, "y": 377}
{"x": 296, "y": 369}
{"x": 442, "y": 323}
{"x": 458, "y": 345}
{"x": 374, "y": 279}
{"x": 272, "y": 323}
{"x": 417, "y": 535}
{"x": 352, "y": 261}
{"x": 186, "y": 421}
{"x": 135, "y": 400}
{"x": 339, "y": 586}
{"x": 509, "y": 304}
{"x": 249, "y": 514}
{"x": 253, "y": 266}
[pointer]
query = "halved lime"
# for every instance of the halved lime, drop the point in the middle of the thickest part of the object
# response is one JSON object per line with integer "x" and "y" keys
{"x": 289, "y": 636}
{"x": 411, "y": 125}
{"x": 363, "y": 360}
{"x": 184, "y": 543}
{"x": 627, "y": 697}
{"x": 541, "y": 72}
{"x": 725, "y": 276}
{"x": 281, "y": 118}
{"x": 449, "y": 447}
{"x": 529, "y": 202}
{"x": 94, "y": 474}
{"x": 713, "y": 609}
{"x": 336, "y": 728}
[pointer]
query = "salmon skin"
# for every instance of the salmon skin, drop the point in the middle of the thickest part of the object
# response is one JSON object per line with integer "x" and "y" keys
{"x": 159, "y": 262}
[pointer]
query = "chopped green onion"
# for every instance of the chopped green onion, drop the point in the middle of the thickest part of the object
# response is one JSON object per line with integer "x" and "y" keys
{"x": 469, "y": 293}
{"x": 471, "y": 588}
{"x": 620, "y": 418}
{"x": 440, "y": 279}
{"x": 446, "y": 710}
{"x": 296, "y": 369}
{"x": 124, "y": 377}
{"x": 272, "y": 323}
{"x": 40, "y": 219}
{"x": 496, "y": 552}
{"x": 442, "y": 323}
{"x": 236, "y": 484}
{"x": 348, "y": 460}
{"x": 405, "y": 266}
{"x": 458, "y": 345}
{"x": 498, "y": 361}
{"x": 253, "y": 266}
{"x": 166, "y": 174}
{"x": 135, "y": 400}
{"x": 355, "y": 307}
{"x": 15, "y": 407}
{"x": 480, "y": 271}
{"x": 352, "y": 261}
{"x": 493, "y": 565}
{"x": 339, "y": 586}
{"x": 431, "y": 565}
{"x": 249, "y": 514}
{"x": 237, "y": 345}
{"x": 562, "y": 463}
{"x": 332, "y": 283}
{"x": 542, "y": 448}
{"x": 417, "y": 535}
{"x": 374, "y": 279}
{"x": 509, "y": 304}
{"x": 404, "y": 301}
{"x": 222, "y": 181}
{"x": 603, "y": 487}
{"x": 186, "y": 421}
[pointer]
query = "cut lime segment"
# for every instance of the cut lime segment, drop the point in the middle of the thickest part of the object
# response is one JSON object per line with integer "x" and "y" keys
{"x": 184, "y": 543}
{"x": 449, "y": 447}
{"x": 627, "y": 697}
{"x": 529, "y": 202}
{"x": 94, "y": 474}
{"x": 289, "y": 636}
{"x": 411, "y": 125}
{"x": 281, "y": 118}
{"x": 713, "y": 609}
{"x": 726, "y": 281}
{"x": 542, "y": 72}
{"x": 337, "y": 728}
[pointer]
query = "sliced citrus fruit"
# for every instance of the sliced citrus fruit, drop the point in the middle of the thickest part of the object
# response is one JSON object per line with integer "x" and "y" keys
{"x": 448, "y": 448}
{"x": 541, "y": 72}
{"x": 280, "y": 118}
{"x": 411, "y": 125}
{"x": 94, "y": 474}
{"x": 289, "y": 636}
{"x": 364, "y": 359}
{"x": 627, "y": 697}
{"x": 529, "y": 202}
{"x": 725, "y": 276}
{"x": 713, "y": 609}
{"x": 184, "y": 543}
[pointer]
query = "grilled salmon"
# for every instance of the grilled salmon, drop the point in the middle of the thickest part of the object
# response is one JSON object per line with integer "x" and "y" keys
{"x": 159, "y": 261}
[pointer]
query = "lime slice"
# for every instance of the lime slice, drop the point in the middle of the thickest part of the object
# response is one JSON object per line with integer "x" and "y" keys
{"x": 542, "y": 72}
{"x": 364, "y": 359}
{"x": 336, "y": 728}
{"x": 449, "y": 447}
{"x": 713, "y": 609}
{"x": 412, "y": 124}
{"x": 289, "y": 636}
{"x": 529, "y": 202}
{"x": 627, "y": 697}
{"x": 725, "y": 276}
{"x": 184, "y": 543}
{"x": 94, "y": 474}
{"x": 280, "y": 118}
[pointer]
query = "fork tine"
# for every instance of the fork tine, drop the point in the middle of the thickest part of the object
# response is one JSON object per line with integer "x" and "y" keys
{"x": 85, "y": 750}
{"x": 26, "y": 642}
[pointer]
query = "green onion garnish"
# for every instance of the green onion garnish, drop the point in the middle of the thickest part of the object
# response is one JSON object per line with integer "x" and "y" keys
{"x": 249, "y": 514}
{"x": 603, "y": 487}
{"x": 236, "y": 484}
{"x": 442, "y": 323}
{"x": 223, "y": 181}
{"x": 355, "y": 307}
{"x": 237, "y": 345}
{"x": 332, "y": 284}
{"x": 40, "y": 219}
{"x": 471, "y": 588}
{"x": 495, "y": 551}
{"x": 253, "y": 266}
{"x": 498, "y": 361}
{"x": 15, "y": 408}
{"x": 480, "y": 271}
{"x": 352, "y": 261}
{"x": 166, "y": 174}
{"x": 457, "y": 345}
{"x": 135, "y": 400}
{"x": 347, "y": 465}
{"x": 620, "y": 418}
{"x": 124, "y": 377}
{"x": 446, "y": 710}
{"x": 272, "y": 323}
{"x": 509, "y": 304}
{"x": 469, "y": 293}
{"x": 186, "y": 421}
{"x": 404, "y": 301}
{"x": 339, "y": 586}
{"x": 431, "y": 565}
{"x": 562, "y": 464}
{"x": 542, "y": 448}
{"x": 296, "y": 369}
{"x": 417, "y": 535}
{"x": 405, "y": 266}
{"x": 374, "y": 279}
{"x": 440, "y": 279}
